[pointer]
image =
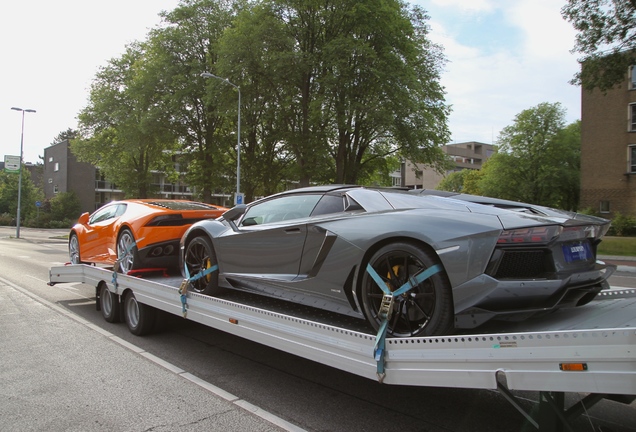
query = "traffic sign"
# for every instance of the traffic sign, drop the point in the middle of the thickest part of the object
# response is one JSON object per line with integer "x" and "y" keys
{"x": 11, "y": 163}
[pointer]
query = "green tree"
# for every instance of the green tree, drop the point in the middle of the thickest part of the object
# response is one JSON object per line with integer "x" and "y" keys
{"x": 65, "y": 206}
{"x": 329, "y": 92}
{"x": 472, "y": 180}
{"x": 69, "y": 134}
{"x": 453, "y": 182}
{"x": 537, "y": 161}
{"x": 199, "y": 111}
{"x": 340, "y": 85}
{"x": 249, "y": 57}
{"x": 382, "y": 80}
{"x": 464, "y": 181}
{"x": 9, "y": 194}
{"x": 123, "y": 129}
{"x": 606, "y": 38}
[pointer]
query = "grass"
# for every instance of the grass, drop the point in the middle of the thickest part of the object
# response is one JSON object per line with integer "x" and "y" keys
{"x": 620, "y": 246}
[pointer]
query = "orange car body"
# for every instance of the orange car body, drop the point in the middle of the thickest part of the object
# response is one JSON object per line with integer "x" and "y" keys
{"x": 156, "y": 226}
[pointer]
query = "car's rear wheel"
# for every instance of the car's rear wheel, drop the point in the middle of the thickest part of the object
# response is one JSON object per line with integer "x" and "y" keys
{"x": 140, "y": 318}
{"x": 108, "y": 304}
{"x": 199, "y": 256}
{"x": 127, "y": 251}
{"x": 426, "y": 309}
{"x": 74, "y": 250}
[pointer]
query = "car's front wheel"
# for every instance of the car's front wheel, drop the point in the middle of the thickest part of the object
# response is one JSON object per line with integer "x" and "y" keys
{"x": 425, "y": 309}
{"x": 199, "y": 256}
{"x": 74, "y": 250}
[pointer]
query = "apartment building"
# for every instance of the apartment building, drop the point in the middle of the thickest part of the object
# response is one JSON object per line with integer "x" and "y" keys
{"x": 608, "y": 149}
{"x": 466, "y": 155}
{"x": 64, "y": 173}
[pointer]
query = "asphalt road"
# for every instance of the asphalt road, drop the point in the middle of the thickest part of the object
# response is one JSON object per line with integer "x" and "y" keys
{"x": 63, "y": 367}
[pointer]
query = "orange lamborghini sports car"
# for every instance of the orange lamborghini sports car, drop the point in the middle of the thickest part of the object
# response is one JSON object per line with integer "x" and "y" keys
{"x": 145, "y": 233}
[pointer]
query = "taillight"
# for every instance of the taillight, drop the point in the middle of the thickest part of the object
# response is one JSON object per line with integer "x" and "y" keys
{"x": 584, "y": 232}
{"x": 533, "y": 235}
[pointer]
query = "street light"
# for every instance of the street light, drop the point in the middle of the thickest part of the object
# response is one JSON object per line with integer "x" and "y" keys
{"x": 238, "y": 139}
{"x": 17, "y": 230}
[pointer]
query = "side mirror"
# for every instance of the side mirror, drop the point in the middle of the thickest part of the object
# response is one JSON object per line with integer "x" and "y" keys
{"x": 83, "y": 219}
{"x": 233, "y": 214}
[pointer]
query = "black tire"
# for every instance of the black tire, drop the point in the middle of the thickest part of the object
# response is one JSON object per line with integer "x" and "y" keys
{"x": 140, "y": 318}
{"x": 199, "y": 255}
{"x": 74, "y": 250}
{"x": 124, "y": 242}
{"x": 109, "y": 304}
{"x": 426, "y": 310}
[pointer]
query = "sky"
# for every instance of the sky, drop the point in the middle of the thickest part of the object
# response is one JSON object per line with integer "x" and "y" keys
{"x": 502, "y": 57}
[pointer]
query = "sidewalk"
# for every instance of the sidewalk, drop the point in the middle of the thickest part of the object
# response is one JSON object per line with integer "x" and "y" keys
{"x": 622, "y": 263}
{"x": 60, "y": 372}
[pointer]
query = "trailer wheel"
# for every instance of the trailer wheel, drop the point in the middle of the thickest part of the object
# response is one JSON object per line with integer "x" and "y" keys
{"x": 424, "y": 310}
{"x": 199, "y": 256}
{"x": 140, "y": 318}
{"x": 108, "y": 304}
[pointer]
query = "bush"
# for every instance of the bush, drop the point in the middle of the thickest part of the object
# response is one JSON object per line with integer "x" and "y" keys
{"x": 39, "y": 221}
{"x": 623, "y": 225}
{"x": 7, "y": 219}
{"x": 66, "y": 223}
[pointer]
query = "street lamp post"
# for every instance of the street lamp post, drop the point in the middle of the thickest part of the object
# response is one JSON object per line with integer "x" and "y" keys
{"x": 238, "y": 140}
{"x": 17, "y": 224}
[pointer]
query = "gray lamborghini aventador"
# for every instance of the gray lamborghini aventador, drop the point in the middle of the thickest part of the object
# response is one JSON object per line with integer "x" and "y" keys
{"x": 425, "y": 263}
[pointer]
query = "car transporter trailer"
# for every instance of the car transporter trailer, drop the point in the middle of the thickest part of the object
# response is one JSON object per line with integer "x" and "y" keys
{"x": 590, "y": 349}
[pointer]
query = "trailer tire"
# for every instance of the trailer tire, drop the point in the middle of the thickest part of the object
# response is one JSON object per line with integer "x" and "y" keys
{"x": 140, "y": 318}
{"x": 109, "y": 304}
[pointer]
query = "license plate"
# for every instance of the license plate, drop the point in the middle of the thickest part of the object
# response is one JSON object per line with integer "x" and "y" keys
{"x": 577, "y": 252}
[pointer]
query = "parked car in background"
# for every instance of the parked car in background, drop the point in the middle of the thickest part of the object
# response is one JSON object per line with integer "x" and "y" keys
{"x": 143, "y": 232}
{"x": 446, "y": 263}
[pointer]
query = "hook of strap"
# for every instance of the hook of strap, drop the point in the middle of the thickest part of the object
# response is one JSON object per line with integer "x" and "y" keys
{"x": 183, "y": 289}
{"x": 386, "y": 309}
{"x": 119, "y": 260}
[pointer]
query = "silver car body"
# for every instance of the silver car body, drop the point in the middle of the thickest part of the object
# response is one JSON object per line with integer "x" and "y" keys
{"x": 318, "y": 258}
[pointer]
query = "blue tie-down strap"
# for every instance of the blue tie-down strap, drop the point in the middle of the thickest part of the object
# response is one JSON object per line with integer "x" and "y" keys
{"x": 183, "y": 289}
{"x": 114, "y": 280}
{"x": 386, "y": 309}
{"x": 120, "y": 259}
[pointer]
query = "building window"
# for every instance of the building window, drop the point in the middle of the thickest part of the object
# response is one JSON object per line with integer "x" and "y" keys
{"x": 57, "y": 167}
{"x": 604, "y": 207}
{"x": 55, "y": 189}
{"x": 50, "y": 180}
{"x": 632, "y": 159}
{"x": 50, "y": 158}
{"x": 632, "y": 77}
